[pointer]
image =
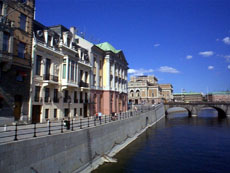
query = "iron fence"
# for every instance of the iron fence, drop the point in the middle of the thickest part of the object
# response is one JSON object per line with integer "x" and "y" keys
{"x": 20, "y": 132}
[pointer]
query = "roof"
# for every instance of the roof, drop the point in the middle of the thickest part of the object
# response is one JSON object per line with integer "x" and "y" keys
{"x": 107, "y": 47}
{"x": 220, "y": 93}
{"x": 187, "y": 93}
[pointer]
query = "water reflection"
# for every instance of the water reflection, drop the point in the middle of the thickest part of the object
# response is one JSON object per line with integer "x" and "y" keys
{"x": 178, "y": 144}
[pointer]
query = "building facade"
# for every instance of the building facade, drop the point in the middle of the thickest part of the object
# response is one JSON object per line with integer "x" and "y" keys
{"x": 167, "y": 92}
{"x": 60, "y": 80}
{"x": 109, "y": 80}
{"x": 188, "y": 97}
{"x": 16, "y": 18}
{"x": 218, "y": 97}
{"x": 144, "y": 89}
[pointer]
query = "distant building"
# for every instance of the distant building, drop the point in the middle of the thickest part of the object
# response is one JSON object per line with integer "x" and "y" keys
{"x": 188, "y": 97}
{"x": 145, "y": 89}
{"x": 167, "y": 92}
{"x": 218, "y": 97}
{"x": 16, "y": 19}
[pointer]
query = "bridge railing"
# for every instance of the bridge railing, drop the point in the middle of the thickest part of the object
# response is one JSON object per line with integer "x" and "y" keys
{"x": 197, "y": 103}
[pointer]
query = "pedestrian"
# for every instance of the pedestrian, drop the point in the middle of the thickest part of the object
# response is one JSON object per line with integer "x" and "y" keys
{"x": 99, "y": 115}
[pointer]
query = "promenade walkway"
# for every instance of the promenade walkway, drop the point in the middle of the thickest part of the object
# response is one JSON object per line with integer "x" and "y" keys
{"x": 18, "y": 132}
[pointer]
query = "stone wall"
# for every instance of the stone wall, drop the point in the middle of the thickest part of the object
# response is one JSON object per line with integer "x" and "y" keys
{"x": 74, "y": 151}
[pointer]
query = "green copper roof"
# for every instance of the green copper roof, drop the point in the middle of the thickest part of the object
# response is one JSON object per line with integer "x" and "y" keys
{"x": 107, "y": 47}
{"x": 220, "y": 93}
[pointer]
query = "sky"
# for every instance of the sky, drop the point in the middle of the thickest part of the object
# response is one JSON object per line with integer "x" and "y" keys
{"x": 182, "y": 42}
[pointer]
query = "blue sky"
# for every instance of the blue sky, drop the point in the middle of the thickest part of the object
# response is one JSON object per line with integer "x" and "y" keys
{"x": 182, "y": 42}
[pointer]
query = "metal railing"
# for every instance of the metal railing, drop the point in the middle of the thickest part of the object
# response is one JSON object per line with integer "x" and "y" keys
{"x": 20, "y": 132}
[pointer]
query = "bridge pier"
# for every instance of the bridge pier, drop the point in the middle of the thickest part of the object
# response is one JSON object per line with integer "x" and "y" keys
{"x": 194, "y": 112}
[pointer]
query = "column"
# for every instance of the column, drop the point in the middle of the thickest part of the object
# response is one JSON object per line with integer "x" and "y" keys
{"x": 67, "y": 69}
{"x": 113, "y": 72}
{"x": 107, "y": 72}
{"x": 97, "y": 72}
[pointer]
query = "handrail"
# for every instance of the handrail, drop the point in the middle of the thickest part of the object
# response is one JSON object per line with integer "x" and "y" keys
{"x": 19, "y": 132}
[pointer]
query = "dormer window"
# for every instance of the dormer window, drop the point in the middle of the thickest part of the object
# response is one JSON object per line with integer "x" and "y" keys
{"x": 68, "y": 42}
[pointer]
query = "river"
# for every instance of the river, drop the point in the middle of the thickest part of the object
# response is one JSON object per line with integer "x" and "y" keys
{"x": 178, "y": 144}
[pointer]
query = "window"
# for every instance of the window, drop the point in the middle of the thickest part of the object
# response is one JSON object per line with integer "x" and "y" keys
{"x": 66, "y": 112}
{"x": 55, "y": 113}
{"x": 80, "y": 111}
{"x": 38, "y": 65}
{"x": 86, "y": 98}
{"x": 75, "y": 112}
{"x": 72, "y": 71}
{"x": 64, "y": 71}
{"x": 81, "y": 95}
{"x": 6, "y": 39}
{"x": 75, "y": 97}
{"x": 37, "y": 93}
{"x": 47, "y": 94}
{"x": 55, "y": 99}
{"x": 23, "y": 22}
{"x": 46, "y": 113}
{"x": 22, "y": 1}
{"x": 21, "y": 50}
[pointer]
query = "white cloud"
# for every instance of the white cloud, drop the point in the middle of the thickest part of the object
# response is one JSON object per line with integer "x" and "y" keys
{"x": 229, "y": 67}
{"x": 226, "y": 40}
{"x": 189, "y": 57}
{"x": 210, "y": 67}
{"x": 166, "y": 69}
{"x": 156, "y": 45}
{"x": 140, "y": 72}
{"x": 206, "y": 53}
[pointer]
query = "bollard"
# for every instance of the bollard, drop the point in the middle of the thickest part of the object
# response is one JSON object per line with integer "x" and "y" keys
{"x": 88, "y": 121}
{"x": 35, "y": 130}
{"x": 49, "y": 128}
{"x": 72, "y": 125}
{"x": 16, "y": 132}
{"x": 80, "y": 124}
{"x": 105, "y": 118}
{"x": 61, "y": 126}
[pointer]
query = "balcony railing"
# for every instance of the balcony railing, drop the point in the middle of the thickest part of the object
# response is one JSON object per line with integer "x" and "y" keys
{"x": 83, "y": 84}
{"x": 37, "y": 99}
{"x": 47, "y": 99}
{"x": 56, "y": 100}
{"x": 6, "y": 22}
{"x": 50, "y": 77}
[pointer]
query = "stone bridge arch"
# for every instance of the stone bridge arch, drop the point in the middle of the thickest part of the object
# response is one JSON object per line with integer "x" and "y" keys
{"x": 223, "y": 109}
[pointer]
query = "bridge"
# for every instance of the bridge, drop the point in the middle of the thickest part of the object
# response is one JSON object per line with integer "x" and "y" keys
{"x": 223, "y": 108}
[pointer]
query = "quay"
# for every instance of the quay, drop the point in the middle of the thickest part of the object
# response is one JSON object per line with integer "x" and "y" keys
{"x": 80, "y": 149}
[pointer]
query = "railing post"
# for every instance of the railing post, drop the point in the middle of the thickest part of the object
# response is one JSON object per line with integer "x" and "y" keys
{"x": 80, "y": 124}
{"x": 88, "y": 121}
{"x": 35, "y": 130}
{"x": 72, "y": 124}
{"x": 49, "y": 128}
{"x": 16, "y": 132}
{"x": 61, "y": 126}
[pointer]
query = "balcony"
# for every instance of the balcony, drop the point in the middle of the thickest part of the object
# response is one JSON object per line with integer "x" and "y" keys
{"x": 83, "y": 84}
{"x": 47, "y": 99}
{"x": 50, "y": 77}
{"x": 67, "y": 100}
{"x": 37, "y": 99}
{"x": 56, "y": 100}
{"x": 6, "y": 23}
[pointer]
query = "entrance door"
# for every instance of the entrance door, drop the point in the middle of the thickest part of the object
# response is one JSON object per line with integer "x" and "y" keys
{"x": 36, "y": 111}
{"x": 17, "y": 106}
{"x": 85, "y": 110}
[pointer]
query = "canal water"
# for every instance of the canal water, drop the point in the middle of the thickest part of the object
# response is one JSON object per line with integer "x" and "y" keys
{"x": 178, "y": 144}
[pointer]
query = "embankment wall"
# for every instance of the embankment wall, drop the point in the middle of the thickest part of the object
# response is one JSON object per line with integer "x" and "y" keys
{"x": 74, "y": 151}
